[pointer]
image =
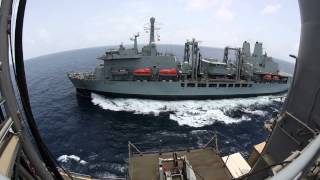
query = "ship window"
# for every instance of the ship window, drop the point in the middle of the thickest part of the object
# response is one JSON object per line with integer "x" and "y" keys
{"x": 182, "y": 84}
{"x": 250, "y": 85}
{"x": 222, "y": 85}
{"x": 244, "y": 85}
{"x": 230, "y": 85}
{"x": 212, "y": 85}
{"x": 202, "y": 85}
{"x": 190, "y": 85}
{"x": 237, "y": 85}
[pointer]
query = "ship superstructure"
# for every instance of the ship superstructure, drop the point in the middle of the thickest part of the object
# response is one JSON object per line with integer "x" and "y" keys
{"x": 128, "y": 72}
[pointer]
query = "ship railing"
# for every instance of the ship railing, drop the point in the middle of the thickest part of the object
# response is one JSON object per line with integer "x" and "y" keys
{"x": 82, "y": 75}
{"x": 297, "y": 165}
{"x": 301, "y": 165}
{"x": 5, "y": 128}
{"x": 80, "y": 176}
{"x": 160, "y": 147}
{"x": 213, "y": 142}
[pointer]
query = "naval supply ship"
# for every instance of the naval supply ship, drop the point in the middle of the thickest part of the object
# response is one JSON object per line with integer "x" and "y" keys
{"x": 128, "y": 72}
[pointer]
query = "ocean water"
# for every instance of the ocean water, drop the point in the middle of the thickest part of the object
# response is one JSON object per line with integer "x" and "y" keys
{"x": 90, "y": 134}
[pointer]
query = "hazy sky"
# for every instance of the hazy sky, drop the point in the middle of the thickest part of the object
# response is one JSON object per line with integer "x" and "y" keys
{"x": 59, "y": 25}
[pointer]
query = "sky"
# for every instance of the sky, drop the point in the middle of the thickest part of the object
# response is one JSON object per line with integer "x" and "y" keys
{"x": 61, "y": 25}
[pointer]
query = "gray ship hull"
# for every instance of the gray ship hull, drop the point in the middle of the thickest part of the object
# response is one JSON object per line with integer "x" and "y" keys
{"x": 176, "y": 90}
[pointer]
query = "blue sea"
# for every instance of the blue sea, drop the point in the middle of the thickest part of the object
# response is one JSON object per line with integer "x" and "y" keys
{"x": 90, "y": 135}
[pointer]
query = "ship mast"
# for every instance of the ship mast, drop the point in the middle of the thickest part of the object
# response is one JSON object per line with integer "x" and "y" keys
{"x": 152, "y": 21}
{"x": 151, "y": 48}
{"x": 152, "y": 28}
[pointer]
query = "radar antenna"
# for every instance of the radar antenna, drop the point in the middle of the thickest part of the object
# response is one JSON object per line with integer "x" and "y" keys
{"x": 134, "y": 39}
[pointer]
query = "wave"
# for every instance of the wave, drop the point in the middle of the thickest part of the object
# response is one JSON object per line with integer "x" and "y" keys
{"x": 195, "y": 113}
{"x": 67, "y": 158}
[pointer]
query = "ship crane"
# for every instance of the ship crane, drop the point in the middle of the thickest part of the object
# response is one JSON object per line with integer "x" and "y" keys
{"x": 192, "y": 56}
{"x": 238, "y": 62}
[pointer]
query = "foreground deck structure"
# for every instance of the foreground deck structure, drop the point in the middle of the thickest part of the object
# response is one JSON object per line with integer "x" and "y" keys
{"x": 205, "y": 162}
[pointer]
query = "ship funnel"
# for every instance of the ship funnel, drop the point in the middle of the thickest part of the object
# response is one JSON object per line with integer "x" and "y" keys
{"x": 246, "y": 48}
{"x": 257, "y": 49}
{"x": 152, "y": 21}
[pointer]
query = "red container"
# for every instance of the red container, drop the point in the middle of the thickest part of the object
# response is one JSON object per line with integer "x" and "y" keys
{"x": 143, "y": 71}
{"x": 267, "y": 77}
{"x": 276, "y": 78}
{"x": 168, "y": 71}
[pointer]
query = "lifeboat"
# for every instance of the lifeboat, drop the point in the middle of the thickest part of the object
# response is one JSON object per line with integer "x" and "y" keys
{"x": 142, "y": 72}
{"x": 267, "y": 77}
{"x": 168, "y": 72}
{"x": 275, "y": 78}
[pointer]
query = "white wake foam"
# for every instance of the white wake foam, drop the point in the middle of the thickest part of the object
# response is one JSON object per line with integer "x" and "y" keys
{"x": 194, "y": 113}
{"x": 67, "y": 158}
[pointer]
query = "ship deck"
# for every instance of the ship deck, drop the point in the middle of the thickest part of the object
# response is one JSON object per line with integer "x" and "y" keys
{"x": 206, "y": 163}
